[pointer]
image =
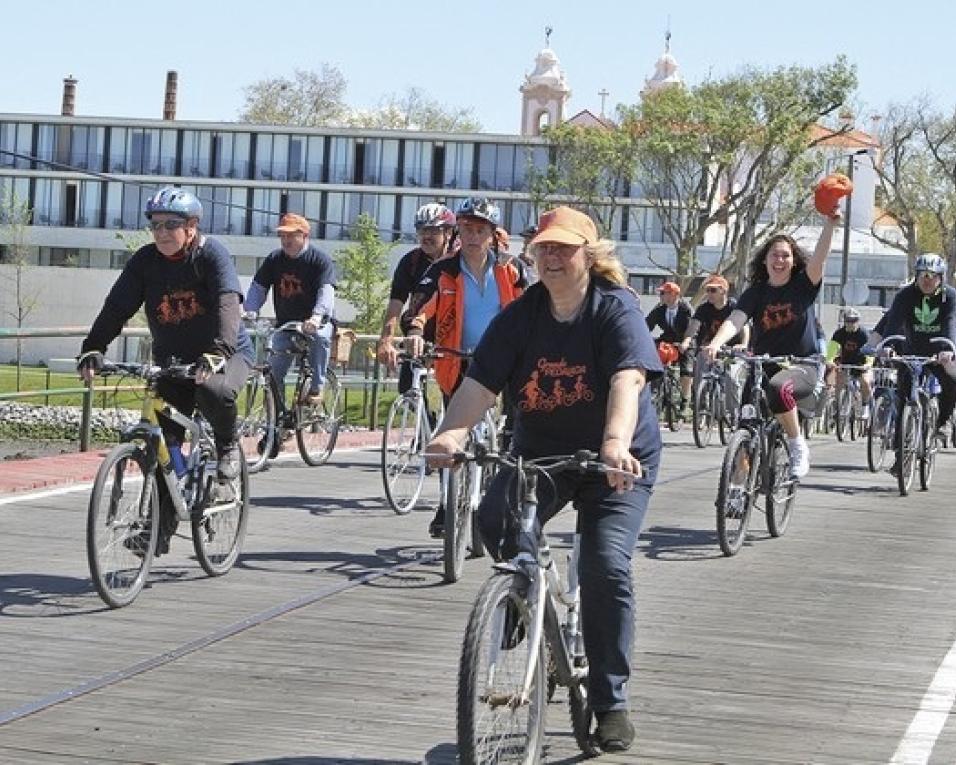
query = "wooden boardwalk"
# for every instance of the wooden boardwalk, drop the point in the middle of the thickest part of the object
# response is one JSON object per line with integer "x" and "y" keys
{"x": 343, "y": 643}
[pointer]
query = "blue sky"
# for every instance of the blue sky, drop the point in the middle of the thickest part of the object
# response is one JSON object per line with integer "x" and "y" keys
{"x": 475, "y": 57}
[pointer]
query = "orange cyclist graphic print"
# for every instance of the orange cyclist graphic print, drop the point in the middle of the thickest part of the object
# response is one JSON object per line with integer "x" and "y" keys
{"x": 290, "y": 285}
{"x": 565, "y": 382}
{"x": 178, "y": 306}
{"x": 777, "y": 315}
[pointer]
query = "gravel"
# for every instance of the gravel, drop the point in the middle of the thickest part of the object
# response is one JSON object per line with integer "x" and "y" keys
{"x": 28, "y": 430}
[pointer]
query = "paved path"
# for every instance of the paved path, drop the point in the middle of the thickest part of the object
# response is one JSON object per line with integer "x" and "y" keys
{"x": 334, "y": 640}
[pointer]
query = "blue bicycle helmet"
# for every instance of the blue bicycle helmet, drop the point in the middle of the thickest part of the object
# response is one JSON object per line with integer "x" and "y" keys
{"x": 175, "y": 201}
{"x": 481, "y": 208}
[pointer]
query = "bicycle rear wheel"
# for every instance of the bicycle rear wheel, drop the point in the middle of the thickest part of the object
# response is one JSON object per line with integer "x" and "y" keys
{"x": 403, "y": 467}
{"x": 781, "y": 487}
{"x": 843, "y": 414}
{"x": 257, "y": 420}
{"x": 878, "y": 437}
{"x": 218, "y": 531}
{"x": 735, "y": 492}
{"x": 930, "y": 446}
{"x": 317, "y": 424}
{"x": 457, "y": 504}
{"x": 907, "y": 443}
{"x": 122, "y": 525}
{"x": 495, "y": 724}
{"x": 704, "y": 406}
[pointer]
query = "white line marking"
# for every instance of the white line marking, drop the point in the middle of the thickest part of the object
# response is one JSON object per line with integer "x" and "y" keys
{"x": 27, "y": 496}
{"x": 917, "y": 744}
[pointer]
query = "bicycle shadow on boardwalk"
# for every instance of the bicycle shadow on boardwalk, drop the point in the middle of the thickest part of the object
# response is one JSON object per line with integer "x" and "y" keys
{"x": 673, "y": 543}
{"x": 44, "y": 595}
{"x": 443, "y": 754}
{"x": 355, "y": 565}
{"x": 325, "y": 505}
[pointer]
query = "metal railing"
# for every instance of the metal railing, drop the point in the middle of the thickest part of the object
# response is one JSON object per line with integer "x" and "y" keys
{"x": 371, "y": 380}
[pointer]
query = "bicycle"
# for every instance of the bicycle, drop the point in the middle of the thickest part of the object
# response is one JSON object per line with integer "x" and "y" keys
{"x": 264, "y": 418}
{"x": 124, "y": 511}
{"x": 849, "y": 421}
{"x": 523, "y": 637}
{"x": 881, "y": 434}
{"x": 710, "y": 406}
{"x": 666, "y": 391}
{"x": 756, "y": 461}
{"x": 915, "y": 440}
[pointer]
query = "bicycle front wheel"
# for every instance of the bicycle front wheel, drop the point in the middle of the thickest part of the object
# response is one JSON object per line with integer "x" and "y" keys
{"x": 497, "y": 722}
{"x": 317, "y": 422}
{"x": 403, "y": 467}
{"x": 735, "y": 492}
{"x": 218, "y": 531}
{"x": 704, "y": 406}
{"x": 457, "y": 504}
{"x": 843, "y": 413}
{"x": 878, "y": 437}
{"x": 122, "y": 525}
{"x": 907, "y": 444}
{"x": 781, "y": 487}
{"x": 930, "y": 446}
{"x": 257, "y": 421}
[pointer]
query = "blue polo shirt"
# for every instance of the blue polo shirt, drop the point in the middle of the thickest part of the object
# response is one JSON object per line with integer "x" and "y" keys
{"x": 481, "y": 305}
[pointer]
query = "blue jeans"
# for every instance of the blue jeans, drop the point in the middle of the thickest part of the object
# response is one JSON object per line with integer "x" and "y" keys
{"x": 609, "y": 524}
{"x": 319, "y": 351}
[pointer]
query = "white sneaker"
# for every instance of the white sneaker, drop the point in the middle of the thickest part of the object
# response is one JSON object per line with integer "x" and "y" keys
{"x": 799, "y": 457}
{"x": 865, "y": 412}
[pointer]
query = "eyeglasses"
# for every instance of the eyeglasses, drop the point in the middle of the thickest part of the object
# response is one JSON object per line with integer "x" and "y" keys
{"x": 166, "y": 225}
{"x": 560, "y": 249}
{"x": 711, "y": 289}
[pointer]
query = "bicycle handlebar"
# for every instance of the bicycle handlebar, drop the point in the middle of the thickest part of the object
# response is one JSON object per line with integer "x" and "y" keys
{"x": 582, "y": 461}
{"x": 148, "y": 371}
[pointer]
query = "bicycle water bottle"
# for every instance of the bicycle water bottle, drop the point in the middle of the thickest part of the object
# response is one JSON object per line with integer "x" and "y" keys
{"x": 176, "y": 457}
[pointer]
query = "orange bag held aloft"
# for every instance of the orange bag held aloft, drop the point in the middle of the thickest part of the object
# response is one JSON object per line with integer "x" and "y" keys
{"x": 829, "y": 192}
{"x": 667, "y": 353}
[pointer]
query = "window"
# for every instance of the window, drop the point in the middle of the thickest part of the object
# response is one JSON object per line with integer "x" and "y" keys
{"x": 381, "y": 161}
{"x": 265, "y": 211}
{"x": 315, "y": 160}
{"x": 645, "y": 284}
{"x": 527, "y": 157}
{"x": 418, "y": 163}
{"x": 67, "y": 257}
{"x": 197, "y": 154}
{"x": 264, "y": 156}
{"x": 458, "y": 165}
{"x": 341, "y": 158}
{"x": 644, "y": 225}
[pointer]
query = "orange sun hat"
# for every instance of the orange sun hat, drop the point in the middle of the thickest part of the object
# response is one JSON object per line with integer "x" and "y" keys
{"x": 829, "y": 192}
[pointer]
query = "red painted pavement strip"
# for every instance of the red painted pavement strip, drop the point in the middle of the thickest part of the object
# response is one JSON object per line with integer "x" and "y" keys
{"x": 79, "y": 467}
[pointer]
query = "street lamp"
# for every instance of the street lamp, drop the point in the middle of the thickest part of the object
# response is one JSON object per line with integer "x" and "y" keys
{"x": 846, "y": 229}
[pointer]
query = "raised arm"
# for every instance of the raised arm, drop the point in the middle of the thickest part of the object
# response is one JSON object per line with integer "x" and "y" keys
{"x": 818, "y": 260}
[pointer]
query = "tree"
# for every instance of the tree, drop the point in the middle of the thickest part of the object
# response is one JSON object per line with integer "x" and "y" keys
{"x": 590, "y": 168}
{"x": 917, "y": 179}
{"x": 724, "y": 150}
{"x": 307, "y": 99}
{"x": 415, "y": 110}
{"x": 363, "y": 273}
{"x": 15, "y": 216}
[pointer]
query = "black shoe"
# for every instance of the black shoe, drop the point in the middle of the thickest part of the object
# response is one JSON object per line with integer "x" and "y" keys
{"x": 227, "y": 466}
{"x": 436, "y": 529}
{"x": 615, "y": 731}
{"x": 168, "y": 523}
{"x": 895, "y": 469}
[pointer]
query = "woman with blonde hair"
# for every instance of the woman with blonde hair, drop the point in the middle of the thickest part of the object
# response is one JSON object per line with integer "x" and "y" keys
{"x": 579, "y": 328}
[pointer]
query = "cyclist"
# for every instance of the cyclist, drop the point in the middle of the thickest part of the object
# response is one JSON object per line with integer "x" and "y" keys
{"x": 851, "y": 340}
{"x": 302, "y": 280}
{"x": 193, "y": 302}
{"x": 784, "y": 284}
{"x": 462, "y": 294}
{"x": 672, "y": 316}
{"x": 923, "y": 310}
{"x": 705, "y": 322}
{"x": 578, "y": 328}
{"x": 435, "y": 228}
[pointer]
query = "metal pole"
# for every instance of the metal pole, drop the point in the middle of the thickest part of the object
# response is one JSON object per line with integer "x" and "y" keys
{"x": 844, "y": 273}
{"x": 376, "y": 393}
{"x": 86, "y": 418}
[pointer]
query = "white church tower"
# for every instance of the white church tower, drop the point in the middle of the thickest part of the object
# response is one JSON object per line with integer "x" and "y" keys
{"x": 544, "y": 92}
{"x": 665, "y": 71}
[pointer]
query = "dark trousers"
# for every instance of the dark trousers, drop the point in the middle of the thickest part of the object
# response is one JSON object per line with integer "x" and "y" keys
{"x": 215, "y": 398}
{"x": 947, "y": 385}
{"x": 609, "y": 524}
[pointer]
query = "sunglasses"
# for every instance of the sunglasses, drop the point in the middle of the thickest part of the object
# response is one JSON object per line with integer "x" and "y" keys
{"x": 166, "y": 225}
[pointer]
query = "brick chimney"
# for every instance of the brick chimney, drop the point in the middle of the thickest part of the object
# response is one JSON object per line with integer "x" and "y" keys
{"x": 69, "y": 96}
{"x": 169, "y": 107}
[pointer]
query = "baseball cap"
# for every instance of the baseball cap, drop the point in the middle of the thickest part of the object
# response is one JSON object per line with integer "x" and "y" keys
{"x": 716, "y": 280}
{"x": 565, "y": 225}
{"x": 290, "y": 222}
{"x": 669, "y": 287}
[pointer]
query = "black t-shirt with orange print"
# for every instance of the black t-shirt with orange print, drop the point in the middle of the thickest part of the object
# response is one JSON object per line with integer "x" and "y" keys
{"x": 295, "y": 282}
{"x": 710, "y": 318}
{"x": 558, "y": 373}
{"x": 784, "y": 319}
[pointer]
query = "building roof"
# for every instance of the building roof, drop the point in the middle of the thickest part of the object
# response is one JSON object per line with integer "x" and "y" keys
{"x": 587, "y": 118}
{"x": 838, "y": 139}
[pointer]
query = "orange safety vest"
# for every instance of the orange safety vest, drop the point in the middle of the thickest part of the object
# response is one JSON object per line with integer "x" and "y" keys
{"x": 446, "y": 304}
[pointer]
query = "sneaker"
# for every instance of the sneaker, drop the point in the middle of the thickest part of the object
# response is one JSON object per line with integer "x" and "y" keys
{"x": 436, "y": 529}
{"x": 865, "y": 412}
{"x": 314, "y": 398}
{"x": 615, "y": 731}
{"x": 799, "y": 457}
{"x": 227, "y": 465}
